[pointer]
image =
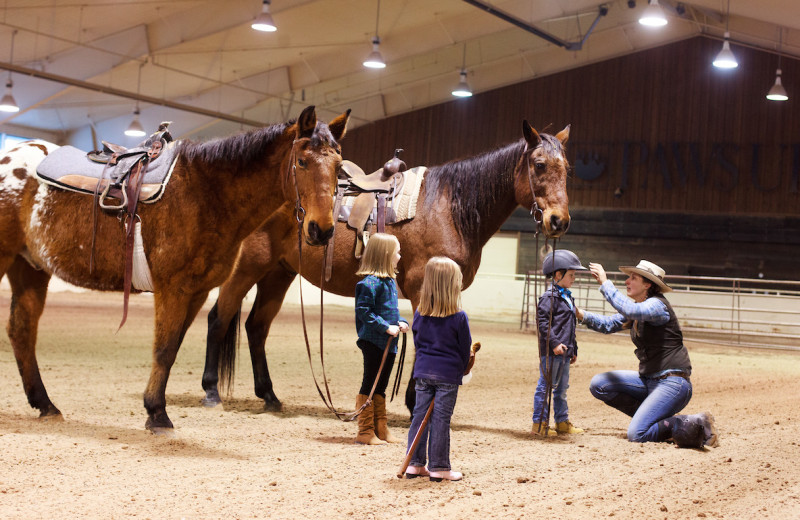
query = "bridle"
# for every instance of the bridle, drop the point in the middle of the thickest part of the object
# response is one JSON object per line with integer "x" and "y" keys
{"x": 536, "y": 212}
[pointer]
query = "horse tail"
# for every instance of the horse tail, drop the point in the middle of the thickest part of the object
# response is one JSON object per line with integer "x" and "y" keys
{"x": 227, "y": 354}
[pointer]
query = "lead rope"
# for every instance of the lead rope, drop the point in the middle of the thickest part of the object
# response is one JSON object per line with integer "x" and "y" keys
{"x": 537, "y": 214}
{"x": 300, "y": 214}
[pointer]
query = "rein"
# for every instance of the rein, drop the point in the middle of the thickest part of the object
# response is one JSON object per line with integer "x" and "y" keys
{"x": 300, "y": 214}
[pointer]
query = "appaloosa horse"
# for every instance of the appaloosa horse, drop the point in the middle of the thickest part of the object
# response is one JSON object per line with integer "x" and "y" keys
{"x": 219, "y": 193}
{"x": 465, "y": 202}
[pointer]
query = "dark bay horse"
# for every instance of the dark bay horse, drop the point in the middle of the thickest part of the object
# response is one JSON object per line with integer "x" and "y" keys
{"x": 219, "y": 193}
{"x": 462, "y": 204}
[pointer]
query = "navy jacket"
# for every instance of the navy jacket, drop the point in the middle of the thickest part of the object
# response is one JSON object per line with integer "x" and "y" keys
{"x": 563, "y": 323}
{"x": 442, "y": 347}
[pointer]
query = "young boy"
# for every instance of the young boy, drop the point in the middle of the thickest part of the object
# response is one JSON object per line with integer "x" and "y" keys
{"x": 557, "y": 346}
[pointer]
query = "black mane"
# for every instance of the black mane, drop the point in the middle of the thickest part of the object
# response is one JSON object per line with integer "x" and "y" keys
{"x": 246, "y": 149}
{"x": 474, "y": 185}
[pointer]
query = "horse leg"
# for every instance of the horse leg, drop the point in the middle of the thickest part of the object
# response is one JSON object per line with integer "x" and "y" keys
{"x": 28, "y": 294}
{"x": 271, "y": 290}
{"x": 174, "y": 312}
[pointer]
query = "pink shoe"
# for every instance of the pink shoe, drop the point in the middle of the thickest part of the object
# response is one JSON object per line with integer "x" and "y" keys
{"x": 438, "y": 476}
{"x": 417, "y": 471}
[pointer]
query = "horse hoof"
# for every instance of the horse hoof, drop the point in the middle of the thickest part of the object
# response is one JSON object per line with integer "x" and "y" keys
{"x": 160, "y": 422}
{"x": 210, "y": 402}
{"x": 54, "y": 417}
{"x": 50, "y": 412}
{"x": 273, "y": 406}
{"x": 167, "y": 433}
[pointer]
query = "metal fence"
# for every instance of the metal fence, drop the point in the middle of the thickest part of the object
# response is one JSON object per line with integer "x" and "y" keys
{"x": 739, "y": 312}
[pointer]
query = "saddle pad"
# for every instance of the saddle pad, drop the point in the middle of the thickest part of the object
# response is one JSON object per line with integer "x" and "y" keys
{"x": 69, "y": 168}
{"x": 402, "y": 207}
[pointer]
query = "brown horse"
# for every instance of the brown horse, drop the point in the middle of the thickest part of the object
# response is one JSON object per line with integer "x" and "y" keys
{"x": 462, "y": 204}
{"x": 219, "y": 193}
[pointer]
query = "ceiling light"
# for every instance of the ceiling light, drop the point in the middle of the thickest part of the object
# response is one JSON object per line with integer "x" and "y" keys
{"x": 653, "y": 15}
{"x": 8, "y": 104}
{"x": 135, "y": 129}
{"x": 462, "y": 89}
{"x": 264, "y": 21}
{"x": 726, "y": 59}
{"x": 777, "y": 92}
{"x": 375, "y": 60}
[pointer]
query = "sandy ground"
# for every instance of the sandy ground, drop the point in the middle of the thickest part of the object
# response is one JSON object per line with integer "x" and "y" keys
{"x": 241, "y": 462}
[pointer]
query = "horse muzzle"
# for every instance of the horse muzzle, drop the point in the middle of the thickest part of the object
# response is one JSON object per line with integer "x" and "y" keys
{"x": 316, "y": 236}
{"x": 554, "y": 225}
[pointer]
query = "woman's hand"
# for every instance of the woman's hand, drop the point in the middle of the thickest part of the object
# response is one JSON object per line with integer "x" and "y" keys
{"x": 403, "y": 326}
{"x": 579, "y": 314}
{"x": 393, "y": 330}
{"x": 598, "y": 272}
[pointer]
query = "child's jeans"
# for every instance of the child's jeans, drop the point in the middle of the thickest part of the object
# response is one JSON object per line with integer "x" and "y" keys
{"x": 436, "y": 436}
{"x": 559, "y": 372}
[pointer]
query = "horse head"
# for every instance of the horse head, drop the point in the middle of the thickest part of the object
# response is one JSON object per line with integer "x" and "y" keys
{"x": 316, "y": 158}
{"x": 541, "y": 180}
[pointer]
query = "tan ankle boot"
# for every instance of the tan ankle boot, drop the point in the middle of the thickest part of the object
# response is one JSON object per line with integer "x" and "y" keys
{"x": 542, "y": 429}
{"x": 381, "y": 429}
{"x": 568, "y": 428}
{"x": 366, "y": 424}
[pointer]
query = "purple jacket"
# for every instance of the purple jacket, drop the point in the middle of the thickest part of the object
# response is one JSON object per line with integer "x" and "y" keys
{"x": 442, "y": 347}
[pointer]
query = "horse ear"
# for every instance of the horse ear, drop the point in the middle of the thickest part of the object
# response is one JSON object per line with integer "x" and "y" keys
{"x": 338, "y": 126}
{"x": 563, "y": 135}
{"x": 307, "y": 122}
{"x": 531, "y": 135}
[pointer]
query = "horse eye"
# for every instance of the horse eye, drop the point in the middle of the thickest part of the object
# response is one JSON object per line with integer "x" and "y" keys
{"x": 540, "y": 166}
{"x": 301, "y": 163}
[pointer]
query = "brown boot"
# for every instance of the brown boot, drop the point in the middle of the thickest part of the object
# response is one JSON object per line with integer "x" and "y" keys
{"x": 366, "y": 424}
{"x": 381, "y": 430}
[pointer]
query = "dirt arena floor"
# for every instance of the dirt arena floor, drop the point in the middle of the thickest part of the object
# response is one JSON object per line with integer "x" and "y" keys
{"x": 241, "y": 462}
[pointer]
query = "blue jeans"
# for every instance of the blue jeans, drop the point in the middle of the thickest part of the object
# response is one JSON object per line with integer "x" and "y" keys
{"x": 559, "y": 372}
{"x": 646, "y": 399}
{"x": 435, "y": 439}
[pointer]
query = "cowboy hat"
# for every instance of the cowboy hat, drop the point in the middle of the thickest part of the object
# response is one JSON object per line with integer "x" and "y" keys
{"x": 648, "y": 270}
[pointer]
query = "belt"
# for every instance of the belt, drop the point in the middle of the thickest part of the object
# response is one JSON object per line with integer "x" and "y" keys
{"x": 672, "y": 374}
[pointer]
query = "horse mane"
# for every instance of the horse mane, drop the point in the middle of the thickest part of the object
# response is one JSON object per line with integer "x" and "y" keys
{"x": 245, "y": 150}
{"x": 474, "y": 184}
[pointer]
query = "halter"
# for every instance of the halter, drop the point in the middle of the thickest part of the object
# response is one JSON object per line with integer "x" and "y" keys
{"x": 299, "y": 210}
{"x": 536, "y": 212}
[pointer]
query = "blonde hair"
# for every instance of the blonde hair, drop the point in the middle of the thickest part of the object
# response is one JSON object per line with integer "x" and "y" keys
{"x": 377, "y": 258}
{"x": 440, "y": 295}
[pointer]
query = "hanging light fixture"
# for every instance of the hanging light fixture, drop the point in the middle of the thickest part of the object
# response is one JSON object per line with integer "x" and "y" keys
{"x": 135, "y": 128}
{"x": 653, "y": 15}
{"x": 777, "y": 92}
{"x": 8, "y": 103}
{"x": 462, "y": 89}
{"x": 264, "y": 21}
{"x": 726, "y": 59}
{"x": 375, "y": 60}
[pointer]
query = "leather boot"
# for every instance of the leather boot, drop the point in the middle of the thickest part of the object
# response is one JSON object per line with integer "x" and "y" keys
{"x": 706, "y": 421}
{"x": 366, "y": 424}
{"x": 542, "y": 429}
{"x": 381, "y": 429}
{"x": 567, "y": 427}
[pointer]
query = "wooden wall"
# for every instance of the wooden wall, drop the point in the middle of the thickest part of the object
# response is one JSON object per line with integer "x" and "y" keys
{"x": 665, "y": 126}
{"x": 659, "y": 132}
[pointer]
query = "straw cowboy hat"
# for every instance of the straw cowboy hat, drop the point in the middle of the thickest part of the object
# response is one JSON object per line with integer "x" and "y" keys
{"x": 648, "y": 270}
